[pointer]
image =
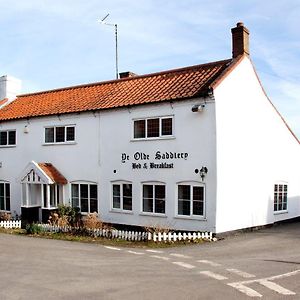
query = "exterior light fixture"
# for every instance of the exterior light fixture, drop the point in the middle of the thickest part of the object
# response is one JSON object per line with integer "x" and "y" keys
{"x": 198, "y": 107}
{"x": 203, "y": 172}
{"x": 26, "y": 129}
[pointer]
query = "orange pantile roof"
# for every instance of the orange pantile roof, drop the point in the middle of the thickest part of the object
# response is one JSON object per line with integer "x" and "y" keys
{"x": 175, "y": 84}
{"x": 53, "y": 173}
{"x": 3, "y": 101}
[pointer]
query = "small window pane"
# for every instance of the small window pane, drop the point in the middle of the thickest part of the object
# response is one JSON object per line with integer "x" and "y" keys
{"x": 49, "y": 135}
{"x": 139, "y": 129}
{"x": 84, "y": 198}
{"x": 116, "y": 196}
{"x": 127, "y": 196}
{"x": 7, "y": 196}
{"x": 93, "y": 205}
{"x": 166, "y": 126}
{"x": 2, "y": 196}
{"x": 197, "y": 208}
{"x": 184, "y": 208}
{"x": 70, "y": 133}
{"x": 198, "y": 193}
{"x": 153, "y": 128}
{"x": 93, "y": 191}
{"x": 75, "y": 195}
{"x": 12, "y": 137}
{"x": 184, "y": 192}
{"x": 148, "y": 198}
{"x": 60, "y": 134}
{"x": 3, "y": 138}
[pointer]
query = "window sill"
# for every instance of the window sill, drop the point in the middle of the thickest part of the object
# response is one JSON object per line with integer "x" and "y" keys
{"x": 120, "y": 211}
{"x": 30, "y": 206}
{"x": 8, "y": 146}
{"x": 58, "y": 144}
{"x": 281, "y": 212}
{"x": 198, "y": 218}
{"x": 171, "y": 137}
{"x": 153, "y": 214}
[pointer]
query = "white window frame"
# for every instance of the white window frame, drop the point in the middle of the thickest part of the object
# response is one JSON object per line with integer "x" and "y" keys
{"x": 7, "y": 138}
{"x": 153, "y": 183}
{"x": 161, "y": 136}
{"x": 121, "y": 209}
{"x": 4, "y": 188}
{"x": 191, "y": 215}
{"x": 65, "y": 139}
{"x": 88, "y": 183}
{"x": 283, "y": 184}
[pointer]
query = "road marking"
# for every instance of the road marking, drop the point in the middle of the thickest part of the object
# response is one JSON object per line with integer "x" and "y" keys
{"x": 112, "y": 248}
{"x": 276, "y": 287}
{"x": 241, "y": 273}
{"x": 267, "y": 282}
{"x": 284, "y": 275}
{"x": 245, "y": 290}
{"x": 134, "y": 252}
{"x": 160, "y": 257}
{"x": 179, "y": 255}
{"x": 184, "y": 265}
{"x": 213, "y": 275}
{"x": 154, "y": 251}
{"x": 208, "y": 262}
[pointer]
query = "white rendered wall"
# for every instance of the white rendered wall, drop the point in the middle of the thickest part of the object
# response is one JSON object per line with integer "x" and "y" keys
{"x": 254, "y": 150}
{"x": 101, "y": 138}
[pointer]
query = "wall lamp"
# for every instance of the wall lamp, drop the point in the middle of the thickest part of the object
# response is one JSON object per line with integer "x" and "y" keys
{"x": 203, "y": 171}
{"x": 198, "y": 107}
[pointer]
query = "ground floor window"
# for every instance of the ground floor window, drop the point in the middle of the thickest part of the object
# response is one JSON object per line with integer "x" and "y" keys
{"x": 122, "y": 196}
{"x": 85, "y": 196}
{"x": 280, "y": 197}
{"x": 154, "y": 198}
{"x": 191, "y": 200}
{"x": 4, "y": 196}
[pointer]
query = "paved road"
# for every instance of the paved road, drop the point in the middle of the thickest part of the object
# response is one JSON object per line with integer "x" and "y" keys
{"x": 263, "y": 264}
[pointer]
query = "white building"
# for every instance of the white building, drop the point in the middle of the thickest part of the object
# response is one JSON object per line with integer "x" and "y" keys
{"x": 197, "y": 148}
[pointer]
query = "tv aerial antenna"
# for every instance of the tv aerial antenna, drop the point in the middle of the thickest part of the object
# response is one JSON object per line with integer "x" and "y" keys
{"x": 103, "y": 22}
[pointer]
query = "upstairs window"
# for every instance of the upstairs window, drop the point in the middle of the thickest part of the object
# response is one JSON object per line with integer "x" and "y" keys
{"x": 7, "y": 138}
{"x": 59, "y": 134}
{"x": 280, "y": 197}
{"x": 153, "y": 128}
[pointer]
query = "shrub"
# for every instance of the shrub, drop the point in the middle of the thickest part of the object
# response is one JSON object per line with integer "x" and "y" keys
{"x": 32, "y": 228}
{"x": 91, "y": 221}
{"x": 5, "y": 216}
{"x": 65, "y": 216}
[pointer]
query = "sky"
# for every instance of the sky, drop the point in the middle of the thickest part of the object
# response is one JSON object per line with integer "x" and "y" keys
{"x": 57, "y": 43}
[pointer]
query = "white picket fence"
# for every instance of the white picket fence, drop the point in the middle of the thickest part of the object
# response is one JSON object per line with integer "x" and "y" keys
{"x": 135, "y": 235}
{"x": 10, "y": 224}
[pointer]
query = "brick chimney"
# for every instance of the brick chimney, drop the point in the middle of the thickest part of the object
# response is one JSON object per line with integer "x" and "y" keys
{"x": 240, "y": 40}
{"x": 127, "y": 74}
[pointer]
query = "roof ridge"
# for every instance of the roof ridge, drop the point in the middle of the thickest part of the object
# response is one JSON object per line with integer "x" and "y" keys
{"x": 129, "y": 78}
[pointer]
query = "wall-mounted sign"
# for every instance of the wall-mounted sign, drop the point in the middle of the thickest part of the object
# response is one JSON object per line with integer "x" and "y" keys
{"x": 156, "y": 160}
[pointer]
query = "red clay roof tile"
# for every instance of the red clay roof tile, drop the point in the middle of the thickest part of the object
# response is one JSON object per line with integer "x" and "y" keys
{"x": 175, "y": 84}
{"x": 53, "y": 173}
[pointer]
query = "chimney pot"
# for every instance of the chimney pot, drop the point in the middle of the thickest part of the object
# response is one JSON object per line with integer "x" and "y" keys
{"x": 240, "y": 40}
{"x": 126, "y": 74}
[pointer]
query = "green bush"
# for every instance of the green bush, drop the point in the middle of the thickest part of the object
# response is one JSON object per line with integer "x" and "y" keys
{"x": 32, "y": 228}
{"x": 71, "y": 213}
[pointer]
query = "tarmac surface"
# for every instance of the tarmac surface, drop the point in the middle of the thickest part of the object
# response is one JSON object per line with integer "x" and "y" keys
{"x": 262, "y": 264}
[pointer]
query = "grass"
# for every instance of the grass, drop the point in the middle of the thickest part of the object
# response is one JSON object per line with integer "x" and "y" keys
{"x": 100, "y": 240}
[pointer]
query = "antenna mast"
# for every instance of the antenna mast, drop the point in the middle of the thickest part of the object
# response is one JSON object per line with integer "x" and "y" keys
{"x": 116, "y": 41}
